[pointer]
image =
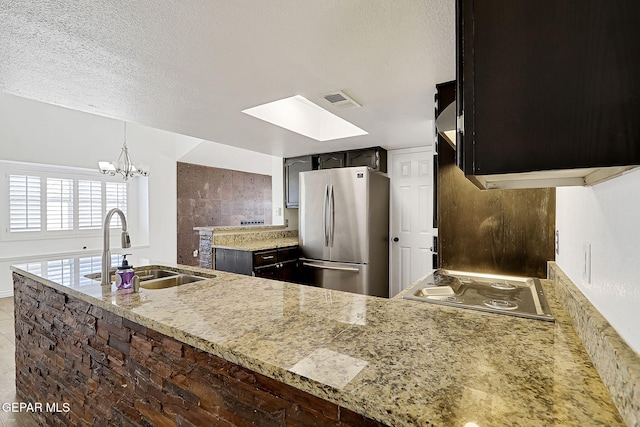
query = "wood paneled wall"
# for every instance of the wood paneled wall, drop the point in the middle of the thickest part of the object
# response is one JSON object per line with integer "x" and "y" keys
{"x": 491, "y": 231}
{"x": 212, "y": 196}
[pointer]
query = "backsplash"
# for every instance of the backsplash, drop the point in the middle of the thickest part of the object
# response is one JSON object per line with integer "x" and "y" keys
{"x": 213, "y": 196}
{"x": 493, "y": 231}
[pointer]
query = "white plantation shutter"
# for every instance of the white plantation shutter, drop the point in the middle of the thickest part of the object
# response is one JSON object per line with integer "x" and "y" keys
{"x": 24, "y": 203}
{"x": 59, "y": 204}
{"x": 49, "y": 201}
{"x": 89, "y": 204}
{"x": 116, "y": 197}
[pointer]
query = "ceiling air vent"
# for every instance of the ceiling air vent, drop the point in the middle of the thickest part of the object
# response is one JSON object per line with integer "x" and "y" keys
{"x": 340, "y": 100}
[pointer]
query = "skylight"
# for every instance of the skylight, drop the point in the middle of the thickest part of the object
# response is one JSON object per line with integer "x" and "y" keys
{"x": 302, "y": 116}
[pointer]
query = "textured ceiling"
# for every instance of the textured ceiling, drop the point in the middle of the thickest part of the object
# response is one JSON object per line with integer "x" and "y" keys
{"x": 191, "y": 66}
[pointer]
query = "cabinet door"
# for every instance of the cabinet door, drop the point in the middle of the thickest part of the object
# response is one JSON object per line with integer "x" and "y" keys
{"x": 265, "y": 257}
{"x": 292, "y": 168}
{"x": 548, "y": 88}
{"x": 331, "y": 160}
{"x": 288, "y": 254}
{"x": 288, "y": 271}
{"x": 234, "y": 261}
{"x": 268, "y": 272}
{"x": 374, "y": 158}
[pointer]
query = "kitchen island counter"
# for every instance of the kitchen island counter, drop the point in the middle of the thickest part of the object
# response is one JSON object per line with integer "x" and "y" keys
{"x": 399, "y": 362}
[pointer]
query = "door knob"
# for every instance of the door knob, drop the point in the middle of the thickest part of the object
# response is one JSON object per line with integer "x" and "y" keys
{"x": 395, "y": 239}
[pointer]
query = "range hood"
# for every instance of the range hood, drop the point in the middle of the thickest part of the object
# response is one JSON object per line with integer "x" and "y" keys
{"x": 447, "y": 126}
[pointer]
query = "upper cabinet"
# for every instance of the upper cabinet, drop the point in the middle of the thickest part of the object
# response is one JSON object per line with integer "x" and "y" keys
{"x": 331, "y": 160}
{"x": 292, "y": 168}
{"x": 374, "y": 157}
{"x": 548, "y": 94}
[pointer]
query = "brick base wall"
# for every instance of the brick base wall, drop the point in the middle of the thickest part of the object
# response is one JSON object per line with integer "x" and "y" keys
{"x": 111, "y": 371}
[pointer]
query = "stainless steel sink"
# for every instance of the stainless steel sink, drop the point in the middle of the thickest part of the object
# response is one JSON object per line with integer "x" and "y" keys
{"x": 98, "y": 276}
{"x": 142, "y": 273}
{"x": 154, "y": 273}
{"x": 516, "y": 296}
{"x": 170, "y": 281}
{"x": 158, "y": 278}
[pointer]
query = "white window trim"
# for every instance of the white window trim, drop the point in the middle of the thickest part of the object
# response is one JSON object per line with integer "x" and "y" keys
{"x": 50, "y": 171}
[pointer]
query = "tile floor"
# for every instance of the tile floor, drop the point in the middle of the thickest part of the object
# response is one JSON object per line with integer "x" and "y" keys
{"x": 8, "y": 369}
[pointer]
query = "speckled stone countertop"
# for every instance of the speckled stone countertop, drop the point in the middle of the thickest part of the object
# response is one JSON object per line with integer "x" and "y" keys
{"x": 260, "y": 245}
{"x": 401, "y": 362}
{"x": 219, "y": 229}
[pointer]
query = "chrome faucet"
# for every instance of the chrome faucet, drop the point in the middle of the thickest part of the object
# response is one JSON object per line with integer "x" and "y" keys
{"x": 106, "y": 252}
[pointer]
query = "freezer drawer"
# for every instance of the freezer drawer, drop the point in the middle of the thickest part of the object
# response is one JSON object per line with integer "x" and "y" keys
{"x": 342, "y": 276}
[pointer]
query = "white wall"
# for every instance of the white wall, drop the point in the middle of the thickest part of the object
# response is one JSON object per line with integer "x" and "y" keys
{"x": 35, "y": 132}
{"x": 607, "y": 216}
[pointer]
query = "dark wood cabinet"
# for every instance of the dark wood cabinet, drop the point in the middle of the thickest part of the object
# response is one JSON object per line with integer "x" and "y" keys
{"x": 285, "y": 271}
{"x": 234, "y": 261}
{"x": 331, "y": 160}
{"x": 277, "y": 264}
{"x": 499, "y": 231}
{"x": 292, "y": 168}
{"x": 375, "y": 158}
{"x": 548, "y": 86}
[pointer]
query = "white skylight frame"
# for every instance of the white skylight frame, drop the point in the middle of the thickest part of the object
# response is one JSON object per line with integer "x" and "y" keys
{"x": 302, "y": 116}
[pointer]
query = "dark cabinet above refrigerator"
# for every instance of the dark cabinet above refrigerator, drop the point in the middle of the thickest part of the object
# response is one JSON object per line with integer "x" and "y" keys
{"x": 331, "y": 160}
{"x": 548, "y": 93}
{"x": 374, "y": 158}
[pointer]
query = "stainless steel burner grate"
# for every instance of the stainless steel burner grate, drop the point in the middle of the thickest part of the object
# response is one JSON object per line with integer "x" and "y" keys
{"x": 517, "y": 296}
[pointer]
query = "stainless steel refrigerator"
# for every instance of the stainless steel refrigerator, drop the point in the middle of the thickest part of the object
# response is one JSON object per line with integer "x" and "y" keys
{"x": 344, "y": 230}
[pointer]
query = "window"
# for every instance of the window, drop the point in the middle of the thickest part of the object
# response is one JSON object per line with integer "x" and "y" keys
{"x": 59, "y": 204}
{"x": 24, "y": 203}
{"x": 89, "y": 204}
{"x": 55, "y": 200}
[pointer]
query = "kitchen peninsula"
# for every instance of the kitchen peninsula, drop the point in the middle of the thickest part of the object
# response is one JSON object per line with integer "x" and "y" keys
{"x": 247, "y": 238}
{"x": 235, "y": 350}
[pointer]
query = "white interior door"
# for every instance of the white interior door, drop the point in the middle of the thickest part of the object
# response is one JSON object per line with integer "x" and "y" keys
{"x": 411, "y": 216}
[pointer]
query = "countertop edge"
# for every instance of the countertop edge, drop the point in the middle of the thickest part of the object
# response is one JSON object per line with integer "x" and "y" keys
{"x": 615, "y": 361}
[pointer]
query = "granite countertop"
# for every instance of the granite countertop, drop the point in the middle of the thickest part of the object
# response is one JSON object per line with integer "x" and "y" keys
{"x": 398, "y": 361}
{"x": 223, "y": 229}
{"x": 259, "y": 245}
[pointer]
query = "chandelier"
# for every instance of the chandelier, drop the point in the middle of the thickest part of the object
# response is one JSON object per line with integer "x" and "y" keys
{"x": 123, "y": 165}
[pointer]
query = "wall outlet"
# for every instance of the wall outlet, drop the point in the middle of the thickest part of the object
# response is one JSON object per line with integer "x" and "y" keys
{"x": 195, "y": 253}
{"x": 586, "y": 271}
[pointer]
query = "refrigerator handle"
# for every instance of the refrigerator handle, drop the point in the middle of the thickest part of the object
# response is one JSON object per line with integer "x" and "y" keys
{"x": 324, "y": 215}
{"x": 333, "y": 216}
{"x": 328, "y": 267}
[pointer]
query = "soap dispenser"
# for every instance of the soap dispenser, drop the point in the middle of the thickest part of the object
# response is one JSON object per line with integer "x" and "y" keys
{"x": 124, "y": 274}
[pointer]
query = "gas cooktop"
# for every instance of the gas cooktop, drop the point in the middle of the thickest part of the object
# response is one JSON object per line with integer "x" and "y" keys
{"x": 516, "y": 296}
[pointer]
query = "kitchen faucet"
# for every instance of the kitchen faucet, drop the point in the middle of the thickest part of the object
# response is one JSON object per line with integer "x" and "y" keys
{"x": 106, "y": 252}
